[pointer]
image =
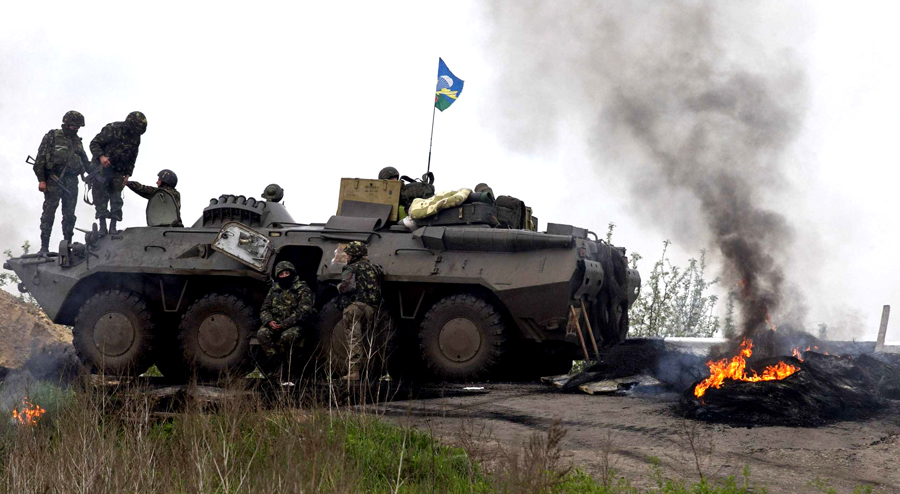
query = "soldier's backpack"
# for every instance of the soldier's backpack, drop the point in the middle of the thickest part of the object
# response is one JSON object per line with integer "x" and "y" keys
{"x": 510, "y": 212}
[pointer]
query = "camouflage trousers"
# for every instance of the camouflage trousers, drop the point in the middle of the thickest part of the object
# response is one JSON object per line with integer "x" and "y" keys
{"x": 52, "y": 196}
{"x": 107, "y": 195}
{"x": 358, "y": 320}
{"x": 276, "y": 341}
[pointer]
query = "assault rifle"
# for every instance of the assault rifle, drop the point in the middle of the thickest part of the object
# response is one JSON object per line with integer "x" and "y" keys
{"x": 54, "y": 178}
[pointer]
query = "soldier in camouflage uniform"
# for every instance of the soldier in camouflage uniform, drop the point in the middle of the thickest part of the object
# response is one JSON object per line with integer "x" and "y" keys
{"x": 360, "y": 290}
{"x": 287, "y": 310}
{"x": 408, "y": 191}
{"x": 167, "y": 181}
{"x": 115, "y": 151}
{"x": 60, "y": 159}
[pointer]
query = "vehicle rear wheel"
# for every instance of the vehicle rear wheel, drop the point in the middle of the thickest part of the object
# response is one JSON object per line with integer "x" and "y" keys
{"x": 215, "y": 336}
{"x": 463, "y": 338}
{"x": 113, "y": 333}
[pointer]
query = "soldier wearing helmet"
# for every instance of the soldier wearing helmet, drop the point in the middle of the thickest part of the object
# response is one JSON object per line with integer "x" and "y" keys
{"x": 115, "y": 151}
{"x": 408, "y": 191}
{"x": 167, "y": 180}
{"x": 60, "y": 160}
{"x": 360, "y": 290}
{"x": 286, "y": 312}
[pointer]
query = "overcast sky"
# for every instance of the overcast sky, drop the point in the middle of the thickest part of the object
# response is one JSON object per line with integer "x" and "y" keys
{"x": 240, "y": 95}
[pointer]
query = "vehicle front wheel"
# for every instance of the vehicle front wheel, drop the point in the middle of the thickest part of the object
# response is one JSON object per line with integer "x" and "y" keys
{"x": 463, "y": 338}
{"x": 113, "y": 333}
{"x": 215, "y": 335}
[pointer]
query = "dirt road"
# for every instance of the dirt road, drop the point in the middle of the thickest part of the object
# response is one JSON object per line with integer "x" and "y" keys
{"x": 784, "y": 460}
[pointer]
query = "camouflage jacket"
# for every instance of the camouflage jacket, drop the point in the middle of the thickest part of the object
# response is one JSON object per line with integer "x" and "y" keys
{"x": 292, "y": 307}
{"x": 147, "y": 191}
{"x": 361, "y": 282}
{"x": 118, "y": 143}
{"x": 59, "y": 153}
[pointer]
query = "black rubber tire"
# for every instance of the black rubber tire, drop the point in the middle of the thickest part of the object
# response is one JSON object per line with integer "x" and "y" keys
{"x": 213, "y": 356}
{"x": 135, "y": 341}
{"x": 491, "y": 346}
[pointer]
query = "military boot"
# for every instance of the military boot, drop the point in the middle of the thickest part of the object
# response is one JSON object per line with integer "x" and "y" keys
{"x": 103, "y": 230}
{"x": 68, "y": 239}
{"x": 112, "y": 227}
{"x": 45, "y": 245}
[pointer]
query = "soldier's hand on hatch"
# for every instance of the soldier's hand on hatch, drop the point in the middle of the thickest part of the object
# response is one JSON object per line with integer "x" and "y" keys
{"x": 104, "y": 161}
{"x": 274, "y": 325}
{"x": 42, "y": 186}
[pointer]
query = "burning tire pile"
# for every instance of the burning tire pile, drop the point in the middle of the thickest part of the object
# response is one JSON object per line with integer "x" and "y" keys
{"x": 807, "y": 389}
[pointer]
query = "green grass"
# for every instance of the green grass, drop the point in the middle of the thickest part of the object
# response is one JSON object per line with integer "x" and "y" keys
{"x": 96, "y": 442}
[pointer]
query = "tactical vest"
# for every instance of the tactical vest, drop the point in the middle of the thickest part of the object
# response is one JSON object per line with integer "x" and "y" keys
{"x": 64, "y": 153}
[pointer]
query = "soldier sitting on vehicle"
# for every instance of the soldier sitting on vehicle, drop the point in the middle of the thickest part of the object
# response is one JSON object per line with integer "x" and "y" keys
{"x": 287, "y": 310}
{"x": 166, "y": 182}
{"x": 360, "y": 290}
{"x": 409, "y": 190}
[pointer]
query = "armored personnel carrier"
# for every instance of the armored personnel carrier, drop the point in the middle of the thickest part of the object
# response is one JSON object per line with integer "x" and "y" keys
{"x": 473, "y": 292}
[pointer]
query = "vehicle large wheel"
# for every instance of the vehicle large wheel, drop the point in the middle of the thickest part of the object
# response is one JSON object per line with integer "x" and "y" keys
{"x": 463, "y": 338}
{"x": 215, "y": 336}
{"x": 114, "y": 332}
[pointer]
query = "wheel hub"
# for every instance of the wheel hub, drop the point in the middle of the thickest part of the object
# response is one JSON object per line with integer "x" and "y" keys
{"x": 459, "y": 340}
{"x": 218, "y": 335}
{"x": 114, "y": 334}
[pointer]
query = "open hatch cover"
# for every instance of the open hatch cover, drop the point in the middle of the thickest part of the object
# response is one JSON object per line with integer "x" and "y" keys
{"x": 244, "y": 245}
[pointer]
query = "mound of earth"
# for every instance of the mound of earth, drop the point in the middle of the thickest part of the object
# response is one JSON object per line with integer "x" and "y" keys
{"x": 827, "y": 388}
{"x": 26, "y": 332}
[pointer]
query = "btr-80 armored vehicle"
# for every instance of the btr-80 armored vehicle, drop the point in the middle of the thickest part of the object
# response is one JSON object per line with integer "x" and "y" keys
{"x": 473, "y": 292}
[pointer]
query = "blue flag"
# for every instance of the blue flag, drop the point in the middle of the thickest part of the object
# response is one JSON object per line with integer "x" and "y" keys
{"x": 449, "y": 87}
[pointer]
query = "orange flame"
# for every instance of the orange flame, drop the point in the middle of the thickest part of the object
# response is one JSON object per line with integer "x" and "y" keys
{"x": 797, "y": 355}
{"x": 29, "y": 414}
{"x": 735, "y": 369}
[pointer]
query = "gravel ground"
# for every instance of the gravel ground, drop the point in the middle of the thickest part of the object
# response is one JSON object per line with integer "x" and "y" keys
{"x": 782, "y": 459}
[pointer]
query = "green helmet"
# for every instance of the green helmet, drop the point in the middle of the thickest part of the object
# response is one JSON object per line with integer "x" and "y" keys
{"x": 169, "y": 178}
{"x": 356, "y": 249}
{"x": 389, "y": 173}
{"x": 73, "y": 118}
{"x": 137, "y": 121}
{"x": 284, "y": 266}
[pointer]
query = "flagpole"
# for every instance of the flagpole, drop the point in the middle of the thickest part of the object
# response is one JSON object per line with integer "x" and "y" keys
{"x": 431, "y": 139}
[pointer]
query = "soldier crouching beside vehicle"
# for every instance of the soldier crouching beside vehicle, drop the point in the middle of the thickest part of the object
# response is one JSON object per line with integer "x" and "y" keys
{"x": 360, "y": 290}
{"x": 60, "y": 159}
{"x": 167, "y": 180}
{"x": 286, "y": 312}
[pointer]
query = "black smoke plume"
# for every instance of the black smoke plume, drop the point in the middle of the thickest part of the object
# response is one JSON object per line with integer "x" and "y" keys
{"x": 692, "y": 106}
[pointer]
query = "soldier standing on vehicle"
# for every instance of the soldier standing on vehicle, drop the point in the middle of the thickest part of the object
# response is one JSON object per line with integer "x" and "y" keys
{"x": 167, "y": 181}
{"x": 287, "y": 310}
{"x": 360, "y": 290}
{"x": 60, "y": 159}
{"x": 115, "y": 151}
